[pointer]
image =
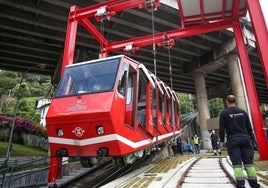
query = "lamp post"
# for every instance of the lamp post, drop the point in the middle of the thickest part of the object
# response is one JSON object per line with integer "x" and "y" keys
{"x": 15, "y": 111}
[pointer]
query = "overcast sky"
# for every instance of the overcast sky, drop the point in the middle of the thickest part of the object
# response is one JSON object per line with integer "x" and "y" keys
{"x": 264, "y": 6}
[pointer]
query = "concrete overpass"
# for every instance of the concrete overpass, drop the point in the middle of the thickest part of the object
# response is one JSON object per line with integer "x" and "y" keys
{"x": 34, "y": 32}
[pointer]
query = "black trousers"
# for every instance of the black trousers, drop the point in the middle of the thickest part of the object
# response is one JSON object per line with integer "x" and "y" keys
{"x": 241, "y": 152}
{"x": 179, "y": 148}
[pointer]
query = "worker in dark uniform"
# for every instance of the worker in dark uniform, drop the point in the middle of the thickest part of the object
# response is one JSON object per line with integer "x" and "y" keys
{"x": 179, "y": 145}
{"x": 235, "y": 122}
{"x": 215, "y": 143}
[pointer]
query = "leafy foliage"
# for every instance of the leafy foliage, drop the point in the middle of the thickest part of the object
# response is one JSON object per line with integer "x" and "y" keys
{"x": 33, "y": 88}
{"x": 23, "y": 125}
{"x": 215, "y": 106}
{"x": 186, "y": 105}
{"x": 5, "y": 121}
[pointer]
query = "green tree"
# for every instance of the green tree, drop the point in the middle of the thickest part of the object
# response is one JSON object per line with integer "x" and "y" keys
{"x": 215, "y": 106}
{"x": 8, "y": 81}
{"x": 186, "y": 105}
{"x": 24, "y": 91}
{"x": 27, "y": 108}
{"x": 33, "y": 88}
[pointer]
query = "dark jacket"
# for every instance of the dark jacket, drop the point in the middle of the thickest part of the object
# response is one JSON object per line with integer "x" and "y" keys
{"x": 236, "y": 123}
{"x": 214, "y": 138}
{"x": 179, "y": 140}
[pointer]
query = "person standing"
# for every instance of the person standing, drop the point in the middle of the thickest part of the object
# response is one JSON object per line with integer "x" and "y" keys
{"x": 235, "y": 122}
{"x": 215, "y": 143}
{"x": 196, "y": 143}
{"x": 179, "y": 144}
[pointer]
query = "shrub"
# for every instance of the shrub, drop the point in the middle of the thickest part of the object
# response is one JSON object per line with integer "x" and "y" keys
{"x": 40, "y": 131}
{"x": 23, "y": 125}
{"x": 5, "y": 120}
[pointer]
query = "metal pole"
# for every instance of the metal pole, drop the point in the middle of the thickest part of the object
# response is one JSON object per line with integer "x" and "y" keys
{"x": 15, "y": 113}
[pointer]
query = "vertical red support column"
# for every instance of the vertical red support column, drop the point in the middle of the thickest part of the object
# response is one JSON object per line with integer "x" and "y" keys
{"x": 261, "y": 33}
{"x": 70, "y": 38}
{"x": 104, "y": 54}
{"x": 251, "y": 93}
{"x": 55, "y": 169}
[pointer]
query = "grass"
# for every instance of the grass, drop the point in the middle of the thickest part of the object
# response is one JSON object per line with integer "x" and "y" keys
{"x": 19, "y": 150}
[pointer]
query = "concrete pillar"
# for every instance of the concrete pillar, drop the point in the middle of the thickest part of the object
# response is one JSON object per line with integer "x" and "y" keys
{"x": 236, "y": 81}
{"x": 203, "y": 109}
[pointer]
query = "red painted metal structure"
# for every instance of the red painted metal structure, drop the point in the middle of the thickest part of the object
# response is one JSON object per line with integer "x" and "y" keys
{"x": 191, "y": 25}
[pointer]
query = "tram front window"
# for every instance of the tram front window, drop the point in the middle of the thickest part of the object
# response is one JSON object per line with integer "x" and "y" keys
{"x": 88, "y": 78}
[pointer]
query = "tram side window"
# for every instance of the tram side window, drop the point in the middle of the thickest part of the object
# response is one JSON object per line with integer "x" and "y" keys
{"x": 153, "y": 104}
{"x": 129, "y": 90}
{"x": 175, "y": 111}
{"x": 168, "y": 109}
{"x": 172, "y": 119}
{"x": 71, "y": 84}
{"x": 142, "y": 99}
{"x": 123, "y": 83}
{"x": 162, "y": 106}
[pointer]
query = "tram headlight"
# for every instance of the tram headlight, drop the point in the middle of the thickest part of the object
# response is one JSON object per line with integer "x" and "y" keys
{"x": 60, "y": 132}
{"x": 100, "y": 130}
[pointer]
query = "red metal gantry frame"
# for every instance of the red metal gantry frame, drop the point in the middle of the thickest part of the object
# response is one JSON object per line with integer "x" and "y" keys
{"x": 109, "y": 8}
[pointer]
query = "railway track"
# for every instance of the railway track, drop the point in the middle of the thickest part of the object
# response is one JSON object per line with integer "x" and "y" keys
{"x": 83, "y": 175}
{"x": 100, "y": 174}
{"x": 207, "y": 173}
{"x": 188, "y": 171}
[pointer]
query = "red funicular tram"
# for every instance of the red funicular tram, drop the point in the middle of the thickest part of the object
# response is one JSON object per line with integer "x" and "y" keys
{"x": 110, "y": 107}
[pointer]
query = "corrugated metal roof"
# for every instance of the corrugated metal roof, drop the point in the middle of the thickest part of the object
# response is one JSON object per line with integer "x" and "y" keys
{"x": 202, "y": 11}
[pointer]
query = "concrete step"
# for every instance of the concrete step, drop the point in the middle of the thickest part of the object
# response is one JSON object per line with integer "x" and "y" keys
{"x": 208, "y": 180}
{"x": 205, "y": 175}
{"x": 215, "y": 185}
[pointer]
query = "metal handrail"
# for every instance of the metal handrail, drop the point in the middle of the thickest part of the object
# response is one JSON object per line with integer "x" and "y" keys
{"x": 17, "y": 169}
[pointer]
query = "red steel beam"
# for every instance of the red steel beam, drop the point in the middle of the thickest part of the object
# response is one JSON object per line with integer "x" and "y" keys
{"x": 93, "y": 31}
{"x": 223, "y": 8}
{"x": 54, "y": 169}
{"x": 181, "y": 13}
{"x": 82, "y": 15}
{"x": 235, "y": 9}
{"x": 70, "y": 39}
{"x": 173, "y": 34}
{"x": 112, "y": 7}
{"x": 251, "y": 93}
{"x": 92, "y": 10}
{"x": 261, "y": 34}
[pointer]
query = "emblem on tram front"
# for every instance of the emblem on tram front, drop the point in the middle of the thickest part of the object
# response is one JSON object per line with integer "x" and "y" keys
{"x": 78, "y": 131}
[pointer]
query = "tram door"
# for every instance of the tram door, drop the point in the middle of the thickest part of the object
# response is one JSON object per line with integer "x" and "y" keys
{"x": 131, "y": 90}
{"x": 146, "y": 101}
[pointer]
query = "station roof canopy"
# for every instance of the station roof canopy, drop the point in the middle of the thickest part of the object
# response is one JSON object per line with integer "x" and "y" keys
{"x": 33, "y": 32}
{"x": 202, "y": 11}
